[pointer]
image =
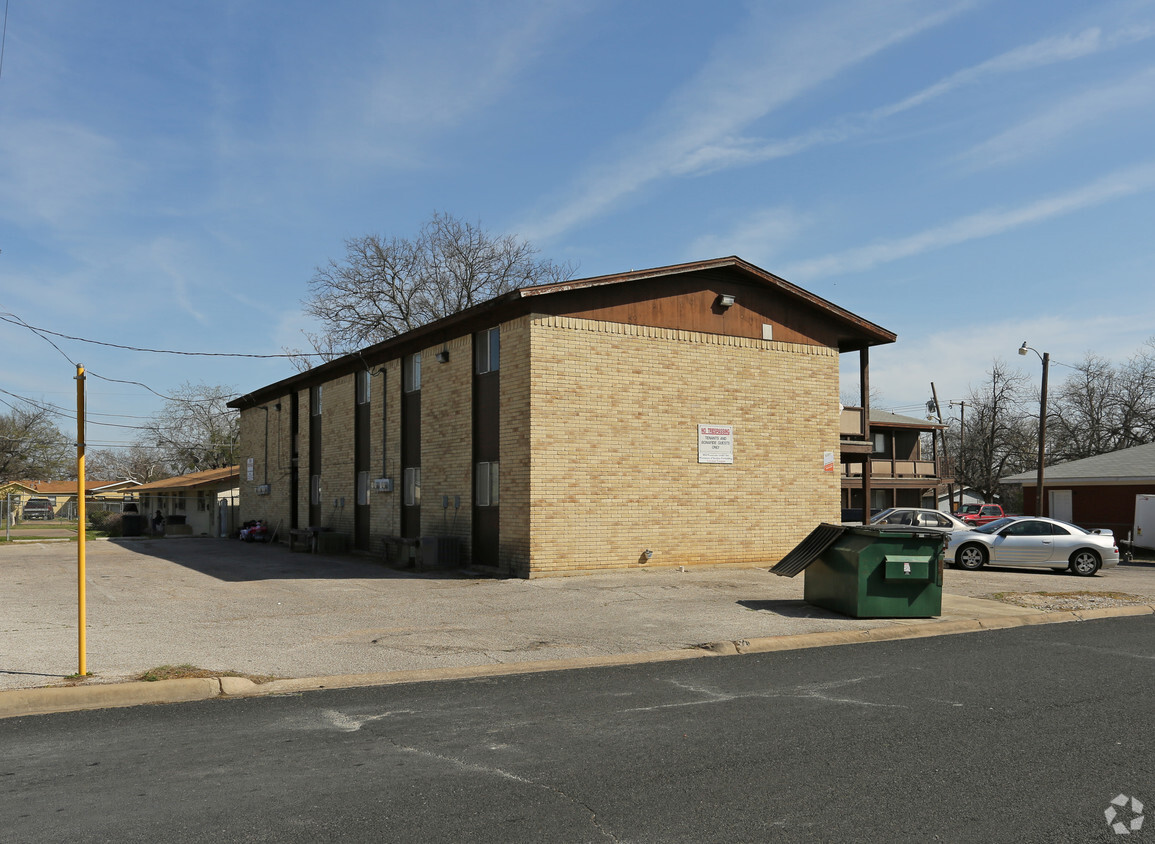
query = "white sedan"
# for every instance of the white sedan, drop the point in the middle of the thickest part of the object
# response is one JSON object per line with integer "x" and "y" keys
{"x": 1034, "y": 541}
{"x": 919, "y": 517}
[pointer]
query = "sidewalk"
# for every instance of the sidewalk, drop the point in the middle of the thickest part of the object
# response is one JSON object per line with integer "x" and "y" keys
{"x": 261, "y": 610}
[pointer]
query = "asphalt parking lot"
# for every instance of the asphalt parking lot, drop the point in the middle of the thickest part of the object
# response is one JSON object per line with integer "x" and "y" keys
{"x": 262, "y": 610}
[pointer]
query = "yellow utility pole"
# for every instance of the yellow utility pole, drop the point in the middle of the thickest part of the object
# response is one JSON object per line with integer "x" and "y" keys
{"x": 82, "y": 517}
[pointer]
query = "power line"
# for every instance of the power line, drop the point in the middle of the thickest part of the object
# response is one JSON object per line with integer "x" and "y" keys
{"x": 15, "y": 320}
{"x": 4, "y": 38}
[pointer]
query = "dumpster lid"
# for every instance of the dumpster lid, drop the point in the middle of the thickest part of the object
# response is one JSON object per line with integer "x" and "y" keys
{"x": 809, "y": 549}
{"x": 825, "y": 535}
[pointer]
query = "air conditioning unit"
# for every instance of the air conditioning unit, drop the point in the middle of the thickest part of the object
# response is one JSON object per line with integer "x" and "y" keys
{"x": 264, "y": 489}
{"x": 383, "y": 485}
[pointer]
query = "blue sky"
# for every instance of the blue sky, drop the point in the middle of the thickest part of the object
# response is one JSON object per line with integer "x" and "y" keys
{"x": 966, "y": 174}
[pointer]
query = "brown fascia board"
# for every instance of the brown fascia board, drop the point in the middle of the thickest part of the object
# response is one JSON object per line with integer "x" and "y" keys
{"x": 518, "y": 302}
{"x": 872, "y": 334}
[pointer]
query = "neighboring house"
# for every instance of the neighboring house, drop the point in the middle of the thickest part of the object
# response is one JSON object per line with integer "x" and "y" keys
{"x": 62, "y": 494}
{"x": 197, "y": 504}
{"x": 674, "y": 416}
{"x": 967, "y": 496}
{"x": 905, "y": 469}
{"x": 1095, "y": 492}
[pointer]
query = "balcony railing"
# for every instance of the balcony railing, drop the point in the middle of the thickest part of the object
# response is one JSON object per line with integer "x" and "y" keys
{"x": 893, "y": 469}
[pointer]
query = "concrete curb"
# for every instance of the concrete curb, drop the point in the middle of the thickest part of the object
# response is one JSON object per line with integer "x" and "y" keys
{"x": 52, "y": 699}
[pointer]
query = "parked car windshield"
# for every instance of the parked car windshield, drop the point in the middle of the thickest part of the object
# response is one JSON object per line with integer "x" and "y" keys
{"x": 995, "y": 526}
{"x": 969, "y": 508}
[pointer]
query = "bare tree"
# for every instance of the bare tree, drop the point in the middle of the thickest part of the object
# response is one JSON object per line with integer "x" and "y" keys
{"x": 383, "y": 287}
{"x": 1001, "y": 439}
{"x": 32, "y": 447}
{"x": 196, "y": 430}
{"x": 1102, "y": 408}
{"x": 137, "y": 462}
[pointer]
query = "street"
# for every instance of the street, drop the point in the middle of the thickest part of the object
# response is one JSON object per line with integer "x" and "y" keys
{"x": 1014, "y": 735}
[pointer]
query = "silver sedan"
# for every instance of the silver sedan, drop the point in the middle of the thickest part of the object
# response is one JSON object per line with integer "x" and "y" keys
{"x": 1034, "y": 541}
{"x": 919, "y": 517}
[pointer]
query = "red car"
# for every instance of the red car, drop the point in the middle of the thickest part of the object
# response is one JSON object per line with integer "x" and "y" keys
{"x": 980, "y": 514}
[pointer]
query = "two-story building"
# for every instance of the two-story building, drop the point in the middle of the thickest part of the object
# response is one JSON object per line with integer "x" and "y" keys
{"x": 896, "y": 461}
{"x": 681, "y": 415}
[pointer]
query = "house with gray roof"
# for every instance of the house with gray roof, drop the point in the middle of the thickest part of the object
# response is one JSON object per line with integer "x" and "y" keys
{"x": 1095, "y": 492}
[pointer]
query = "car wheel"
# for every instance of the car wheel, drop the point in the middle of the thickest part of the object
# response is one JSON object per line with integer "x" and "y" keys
{"x": 971, "y": 557}
{"x": 1085, "y": 563}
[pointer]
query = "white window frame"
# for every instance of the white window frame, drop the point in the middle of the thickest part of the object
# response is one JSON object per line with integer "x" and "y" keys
{"x": 486, "y": 488}
{"x": 411, "y": 487}
{"x": 487, "y": 351}
{"x": 411, "y": 373}
{"x": 363, "y": 386}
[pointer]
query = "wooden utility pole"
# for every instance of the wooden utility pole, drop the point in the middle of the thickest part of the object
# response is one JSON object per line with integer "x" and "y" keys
{"x": 82, "y": 518}
{"x": 945, "y": 451}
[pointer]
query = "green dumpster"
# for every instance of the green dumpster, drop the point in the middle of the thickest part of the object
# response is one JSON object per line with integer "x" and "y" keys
{"x": 878, "y": 571}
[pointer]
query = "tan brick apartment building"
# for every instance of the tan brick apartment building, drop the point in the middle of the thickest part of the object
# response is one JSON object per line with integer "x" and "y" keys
{"x": 682, "y": 415}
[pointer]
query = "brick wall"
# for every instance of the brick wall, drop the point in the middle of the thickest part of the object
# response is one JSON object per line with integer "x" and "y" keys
{"x": 614, "y": 453}
{"x": 514, "y": 513}
{"x": 599, "y": 449}
{"x": 274, "y": 507}
{"x": 447, "y": 441}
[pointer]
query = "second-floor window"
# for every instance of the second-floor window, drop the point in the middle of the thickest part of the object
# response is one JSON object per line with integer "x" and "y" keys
{"x": 487, "y": 350}
{"x": 411, "y": 373}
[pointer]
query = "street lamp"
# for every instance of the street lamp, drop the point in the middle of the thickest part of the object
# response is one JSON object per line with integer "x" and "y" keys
{"x": 1045, "y": 357}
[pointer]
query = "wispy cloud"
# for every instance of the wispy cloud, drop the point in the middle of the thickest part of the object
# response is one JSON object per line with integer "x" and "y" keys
{"x": 419, "y": 84}
{"x": 55, "y": 172}
{"x": 1122, "y": 183}
{"x": 1085, "y": 110}
{"x": 731, "y": 152}
{"x": 757, "y": 238}
{"x": 768, "y": 64}
{"x": 904, "y": 375}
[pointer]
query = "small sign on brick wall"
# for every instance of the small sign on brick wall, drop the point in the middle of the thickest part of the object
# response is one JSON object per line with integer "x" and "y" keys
{"x": 715, "y": 443}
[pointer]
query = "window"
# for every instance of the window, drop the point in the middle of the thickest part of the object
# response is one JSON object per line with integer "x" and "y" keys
{"x": 485, "y": 485}
{"x": 411, "y": 373}
{"x": 315, "y": 400}
{"x": 487, "y": 350}
{"x": 879, "y": 443}
{"x": 1029, "y": 528}
{"x": 180, "y": 502}
{"x": 202, "y": 501}
{"x": 363, "y": 488}
{"x": 412, "y": 491}
{"x": 314, "y": 489}
{"x": 363, "y": 386}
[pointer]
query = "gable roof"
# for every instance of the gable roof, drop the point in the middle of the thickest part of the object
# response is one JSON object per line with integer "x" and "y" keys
{"x": 209, "y": 477}
{"x": 854, "y": 332}
{"x": 1135, "y": 465}
{"x": 897, "y": 420}
{"x": 69, "y": 487}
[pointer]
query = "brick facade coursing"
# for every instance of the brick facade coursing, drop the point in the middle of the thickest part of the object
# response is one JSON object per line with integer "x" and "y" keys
{"x": 598, "y": 447}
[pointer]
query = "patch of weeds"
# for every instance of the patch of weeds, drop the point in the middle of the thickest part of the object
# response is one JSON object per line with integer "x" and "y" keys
{"x": 186, "y": 672}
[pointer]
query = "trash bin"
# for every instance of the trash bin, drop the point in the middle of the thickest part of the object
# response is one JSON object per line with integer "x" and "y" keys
{"x": 891, "y": 571}
{"x": 131, "y": 524}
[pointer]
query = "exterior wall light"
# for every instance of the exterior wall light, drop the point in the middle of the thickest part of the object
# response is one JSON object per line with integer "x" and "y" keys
{"x": 725, "y": 300}
{"x": 442, "y": 356}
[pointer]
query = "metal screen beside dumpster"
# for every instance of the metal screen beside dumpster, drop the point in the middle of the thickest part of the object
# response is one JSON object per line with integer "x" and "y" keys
{"x": 871, "y": 572}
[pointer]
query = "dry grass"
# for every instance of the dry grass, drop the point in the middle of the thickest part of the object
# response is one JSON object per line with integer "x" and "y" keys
{"x": 186, "y": 672}
{"x": 1071, "y": 600}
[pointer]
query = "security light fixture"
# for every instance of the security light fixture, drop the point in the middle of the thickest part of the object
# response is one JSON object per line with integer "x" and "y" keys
{"x": 442, "y": 356}
{"x": 725, "y": 300}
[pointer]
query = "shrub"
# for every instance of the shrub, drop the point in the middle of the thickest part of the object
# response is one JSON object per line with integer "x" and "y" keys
{"x": 105, "y": 521}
